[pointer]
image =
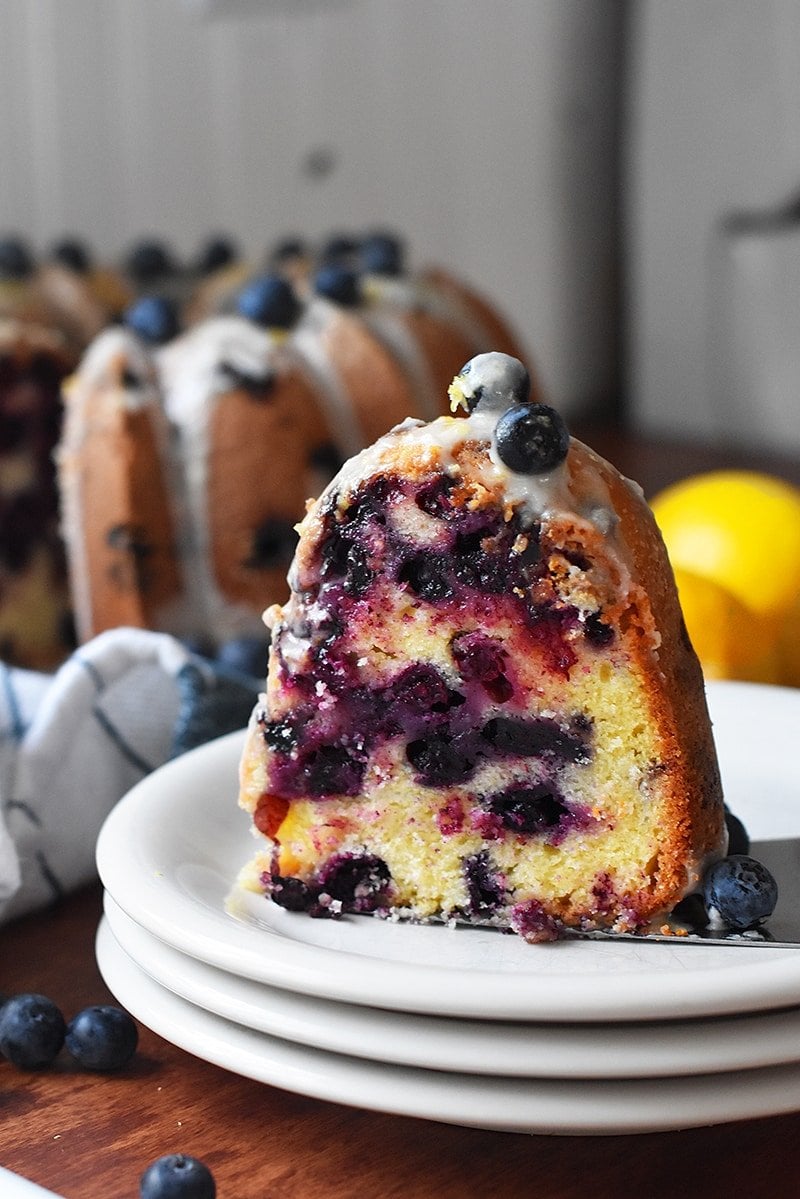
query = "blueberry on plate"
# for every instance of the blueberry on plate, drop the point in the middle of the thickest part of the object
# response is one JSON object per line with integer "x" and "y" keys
{"x": 177, "y": 1176}
{"x": 102, "y": 1037}
{"x": 531, "y": 440}
{"x": 740, "y": 892}
{"x": 154, "y": 318}
{"x": 32, "y": 1031}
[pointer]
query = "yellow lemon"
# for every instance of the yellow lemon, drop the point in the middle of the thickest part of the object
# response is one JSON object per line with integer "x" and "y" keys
{"x": 730, "y": 642}
{"x": 739, "y": 530}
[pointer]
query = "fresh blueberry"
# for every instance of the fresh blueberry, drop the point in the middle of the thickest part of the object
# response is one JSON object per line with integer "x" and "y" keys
{"x": 216, "y": 253}
{"x": 245, "y": 655}
{"x": 738, "y": 838}
{"x": 531, "y": 440}
{"x": 149, "y": 261}
{"x": 102, "y": 1037}
{"x": 177, "y": 1176}
{"x": 72, "y": 253}
{"x": 154, "y": 318}
{"x": 32, "y": 1031}
{"x": 741, "y": 891}
{"x": 492, "y": 382}
{"x": 382, "y": 254}
{"x": 16, "y": 259}
{"x": 269, "y": 301}
{"x": 339, "y": 284}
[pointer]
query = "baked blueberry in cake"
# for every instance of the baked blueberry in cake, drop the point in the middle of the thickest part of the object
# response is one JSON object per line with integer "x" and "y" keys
{"x": 481, "y": 703}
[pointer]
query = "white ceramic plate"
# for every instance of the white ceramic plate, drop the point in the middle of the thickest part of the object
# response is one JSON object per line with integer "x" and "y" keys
{"x": 170, "y": 850}
{"x": 507, "y": 1104}
{"x": 634, "y": 1050}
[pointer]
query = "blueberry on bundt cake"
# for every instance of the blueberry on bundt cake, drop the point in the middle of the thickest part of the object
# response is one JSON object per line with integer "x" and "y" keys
{"x": 481, "y": 702}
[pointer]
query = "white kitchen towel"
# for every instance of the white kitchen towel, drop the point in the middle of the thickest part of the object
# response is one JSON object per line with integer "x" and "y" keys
{"x": 73, "y": 743}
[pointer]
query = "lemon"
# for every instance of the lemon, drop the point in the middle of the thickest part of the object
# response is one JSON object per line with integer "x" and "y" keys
{"x": 730, "y": 642}
{"x": 741, "y": 531}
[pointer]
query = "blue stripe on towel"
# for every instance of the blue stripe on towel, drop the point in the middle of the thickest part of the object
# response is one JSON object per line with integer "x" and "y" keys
{"x": 127, "y": 751}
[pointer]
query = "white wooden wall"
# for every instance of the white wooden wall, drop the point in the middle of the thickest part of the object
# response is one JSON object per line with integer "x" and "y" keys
{"x": 485, "y": 130}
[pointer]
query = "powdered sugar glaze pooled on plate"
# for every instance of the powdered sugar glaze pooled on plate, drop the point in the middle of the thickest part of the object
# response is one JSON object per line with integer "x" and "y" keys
{"x": 478, "y": 689}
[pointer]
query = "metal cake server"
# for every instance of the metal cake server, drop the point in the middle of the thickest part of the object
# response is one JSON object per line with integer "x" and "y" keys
{"x": 781, "y": 931}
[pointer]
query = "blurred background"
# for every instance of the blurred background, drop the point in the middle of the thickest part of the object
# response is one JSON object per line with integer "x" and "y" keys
{"x": 620, "y": 177}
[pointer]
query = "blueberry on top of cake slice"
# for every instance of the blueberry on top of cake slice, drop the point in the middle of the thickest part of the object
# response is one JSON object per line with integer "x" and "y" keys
{"x": 481, "y": 702}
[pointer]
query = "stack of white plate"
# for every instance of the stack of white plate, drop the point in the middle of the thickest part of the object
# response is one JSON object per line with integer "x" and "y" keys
{"x": 460, "y": 1025}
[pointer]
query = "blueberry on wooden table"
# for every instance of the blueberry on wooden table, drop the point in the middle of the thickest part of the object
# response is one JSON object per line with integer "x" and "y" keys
{"x": 102, "y": 1037}
{"x": 177, "y": 1176}
{"x": 32, "y": 1031}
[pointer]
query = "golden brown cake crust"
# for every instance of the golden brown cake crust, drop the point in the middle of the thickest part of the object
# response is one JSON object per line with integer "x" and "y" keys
{"x": 260, "y": 471}
{"x": 594, "y": 639}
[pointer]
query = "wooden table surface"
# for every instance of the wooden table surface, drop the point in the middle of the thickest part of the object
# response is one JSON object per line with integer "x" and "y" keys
{"x": 91, "y": 1136}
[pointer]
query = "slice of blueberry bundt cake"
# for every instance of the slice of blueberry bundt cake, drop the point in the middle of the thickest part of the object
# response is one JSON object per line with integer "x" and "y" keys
{"x": 481, "y": 702}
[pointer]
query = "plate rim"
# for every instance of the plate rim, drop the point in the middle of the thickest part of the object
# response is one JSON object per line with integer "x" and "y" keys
{"x": 510, "y": 1049}
{"x": 348, "y": 976}
{"x": 544, "y": 1106}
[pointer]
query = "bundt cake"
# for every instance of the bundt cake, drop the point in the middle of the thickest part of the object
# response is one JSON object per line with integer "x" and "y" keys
{"x": 35, "y": 629}
{"x": 481, "y": 703}
{"x": 236, "y": 419}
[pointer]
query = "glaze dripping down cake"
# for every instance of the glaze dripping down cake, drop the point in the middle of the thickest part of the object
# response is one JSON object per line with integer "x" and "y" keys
{"x": 481, "y": 703}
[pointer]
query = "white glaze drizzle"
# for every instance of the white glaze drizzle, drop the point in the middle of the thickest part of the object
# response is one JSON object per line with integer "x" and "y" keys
{"x": 192, "y": 380}
{"x": 307, "y": 342}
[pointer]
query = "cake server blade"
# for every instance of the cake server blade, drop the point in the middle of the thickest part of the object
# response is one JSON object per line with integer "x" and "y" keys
{"x": 781, "y": 931}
